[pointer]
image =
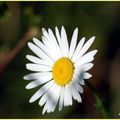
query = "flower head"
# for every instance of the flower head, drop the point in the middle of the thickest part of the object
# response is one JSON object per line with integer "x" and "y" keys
{"x": 60, "y": 69}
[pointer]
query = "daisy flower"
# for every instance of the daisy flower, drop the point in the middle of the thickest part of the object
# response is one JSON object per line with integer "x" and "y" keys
{"x": 59, "y": 68}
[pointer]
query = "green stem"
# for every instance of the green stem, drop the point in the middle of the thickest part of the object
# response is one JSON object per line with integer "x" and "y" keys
{"x": 99, "y": 103}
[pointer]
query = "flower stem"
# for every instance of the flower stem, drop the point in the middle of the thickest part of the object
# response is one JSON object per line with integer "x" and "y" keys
{"x": 99, "y": 103}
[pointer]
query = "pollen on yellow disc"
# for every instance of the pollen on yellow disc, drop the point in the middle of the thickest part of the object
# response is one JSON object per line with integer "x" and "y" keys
{"x": 63, "y": 71}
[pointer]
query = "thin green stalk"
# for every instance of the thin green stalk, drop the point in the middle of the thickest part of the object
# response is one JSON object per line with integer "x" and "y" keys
{"x": 99, "y": 103}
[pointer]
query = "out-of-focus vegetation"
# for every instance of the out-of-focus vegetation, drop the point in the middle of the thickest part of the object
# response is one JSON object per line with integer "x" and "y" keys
{"x": 20, "y": 21}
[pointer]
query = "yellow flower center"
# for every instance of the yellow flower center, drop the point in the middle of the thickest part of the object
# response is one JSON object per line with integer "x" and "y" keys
{"x": 63, "y": 71}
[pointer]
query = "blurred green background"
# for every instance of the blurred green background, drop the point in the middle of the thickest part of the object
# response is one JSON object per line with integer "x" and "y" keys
{"x": 20, "y": 21}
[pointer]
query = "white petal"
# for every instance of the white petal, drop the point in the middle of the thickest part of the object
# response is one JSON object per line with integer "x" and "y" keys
{"x": 39, "y": 52}
{"x": 40, "y": 79}
{"x": 82, "y": 82}
{"x": 64, "y": 41}
{"x": 43, "y": 99}
{"x": 37, "y": 60}
{"x": 39, "y": 44}
{"x": 36, "y": 67}
{"x": 73, "y": 43}
{"x": 67, "y": 96}
{"x": 36, "y": 83}
{"x": 79, "y": 87}
{"x": 83, "y": 60}
{"x": 53, "y": 97}
{"x": 61, "y": 101}
{"x": 86, "y": 75}
{"x": 84, "y": 67}
{"x": 75, "y": 81}
{"x": 51, "y": 48}
{"x": 79, "y": 76}
{"x": 45, "y": 33}
{"x": 42, "y": 47}
{"x": 87, "y": 66}
{"x": 51, "y": 43}
{"x": 53, "y": 39}
{"x": 86, "y": 47}
{"x": 75, "y": 93}
{"x": 41, "y": 91}
{"x": 86, "y": 58}
{"x": 39, "y": 75}
{"x": 77, "y": 50}
{"x": 46, "y": 106}
{"x": 59, "y": 40}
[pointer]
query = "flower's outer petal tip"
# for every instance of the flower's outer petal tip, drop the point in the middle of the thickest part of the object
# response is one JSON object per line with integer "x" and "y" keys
{"x": 91, "y": 65}
{"x": 93, "y": 37}
{"x": 24, "y": 77}
{"x": 77, "y": 29}
{"x": 30, "y": 101}
{"x": 49, "y": 29}
{"x": 27, "y": 56}
{"x": 34, "y": 38}
{"x": 28, "y": 44}
{"x": 56, "y": 27}
{"x": 96, "y": 51}
{"x": 26, "y": 65}
{"x": 90, "y": 76}
{"x": 43, "y": 30}
{"x": 63, "y": 27}
{"x": 43, "y": 112}
{"x": 27, "y": 87}
{"x": 80, "y": 100}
